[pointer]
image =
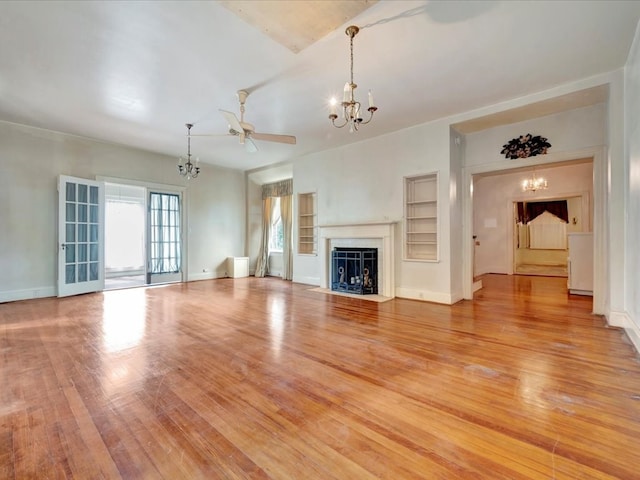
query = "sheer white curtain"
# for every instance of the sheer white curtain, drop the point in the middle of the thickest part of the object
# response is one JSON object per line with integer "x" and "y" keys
{"x": 286, "y": 213}
{"x": 262, "y": 265}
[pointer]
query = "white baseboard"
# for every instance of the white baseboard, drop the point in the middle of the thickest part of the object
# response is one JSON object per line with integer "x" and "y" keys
{"x": 497, "y": 269}
{"x": 477, "y": 286}
{"x": 633, "y": 331}
{"x": 456, "y": 297}
{"x": 427, "y": 296}
{"x": 617, "y": 319}
{"x": 27, "y": 293}
{"x": 44, "y": 292}
{"x": 307, "y": 280}
{"x": 194, "y": 277}
{"x": 631, "y": 328}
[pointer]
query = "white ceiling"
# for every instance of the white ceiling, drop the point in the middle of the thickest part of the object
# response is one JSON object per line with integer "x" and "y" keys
{"x": 135, "y": 72}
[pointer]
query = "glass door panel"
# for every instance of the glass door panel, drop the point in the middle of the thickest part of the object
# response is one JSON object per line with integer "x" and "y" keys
{"x": 81, "y": 236}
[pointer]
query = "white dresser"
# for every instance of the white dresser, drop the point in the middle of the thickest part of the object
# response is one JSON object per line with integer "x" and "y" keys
{"x": 580, "y": 265}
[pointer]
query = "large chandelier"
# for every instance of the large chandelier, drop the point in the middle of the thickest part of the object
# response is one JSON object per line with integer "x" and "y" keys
{"x": 534, "y": 183}
{"x": 188, "y": 169}
{"x": 350, "y": 107}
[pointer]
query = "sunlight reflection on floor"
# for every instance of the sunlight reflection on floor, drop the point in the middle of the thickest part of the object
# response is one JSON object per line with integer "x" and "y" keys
{"x": 124, "y": 318}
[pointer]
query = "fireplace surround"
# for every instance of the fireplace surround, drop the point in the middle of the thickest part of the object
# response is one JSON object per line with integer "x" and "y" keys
{"x": 365, "y": 235}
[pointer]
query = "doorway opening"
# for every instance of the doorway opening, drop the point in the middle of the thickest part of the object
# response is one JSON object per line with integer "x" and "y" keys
{"x": 125, "y": 236}
{"x": 492, "y": 192}
{"x": 540, "y": 233}
{"x": 143, "y": 236}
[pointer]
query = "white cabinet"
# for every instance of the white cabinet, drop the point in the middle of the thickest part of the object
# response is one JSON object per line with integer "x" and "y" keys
{"x": 580, "y": 264}
{"x": 238, "y": 267}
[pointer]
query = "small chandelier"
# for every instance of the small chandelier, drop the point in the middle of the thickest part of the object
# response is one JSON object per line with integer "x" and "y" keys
{"x": 534, "y": 183}
{"x": 351, "y": 107}
{"x": 188, "y": 169}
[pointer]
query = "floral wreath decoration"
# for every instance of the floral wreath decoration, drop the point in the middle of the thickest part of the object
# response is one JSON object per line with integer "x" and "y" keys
{"x": 525, "y": 146}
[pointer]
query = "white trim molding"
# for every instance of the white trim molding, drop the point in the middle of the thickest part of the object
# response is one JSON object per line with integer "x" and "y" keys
{"x": 27, "y": 294}
{"x": 633, "y": 332}
{"x": 618, "y": 319}
{"x": 306, "y": 280}
{"x": 195, "y": 277}
{"x": 427, "y": 296}
{"x": 631, "y": 328}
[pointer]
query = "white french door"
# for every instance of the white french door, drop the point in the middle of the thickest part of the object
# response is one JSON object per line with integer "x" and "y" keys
{"x": 80, "y": 236}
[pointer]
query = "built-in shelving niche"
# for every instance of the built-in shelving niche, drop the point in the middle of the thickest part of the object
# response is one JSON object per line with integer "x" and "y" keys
{"x": 421, "y": 217}
{"x": 307, "y": 224}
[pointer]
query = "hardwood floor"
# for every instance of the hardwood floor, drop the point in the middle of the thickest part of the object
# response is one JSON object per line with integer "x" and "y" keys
{"x": 261, "y": 378}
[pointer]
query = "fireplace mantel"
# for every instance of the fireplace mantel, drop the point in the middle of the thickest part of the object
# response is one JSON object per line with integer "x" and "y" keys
{"x": 382, "y": 234}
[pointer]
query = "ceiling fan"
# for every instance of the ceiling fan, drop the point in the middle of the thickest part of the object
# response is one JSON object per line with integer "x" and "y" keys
{"x": 245, "y": 131}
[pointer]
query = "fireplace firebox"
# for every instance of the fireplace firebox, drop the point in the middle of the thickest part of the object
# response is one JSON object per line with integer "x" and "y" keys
{"x": 354, "y": 270}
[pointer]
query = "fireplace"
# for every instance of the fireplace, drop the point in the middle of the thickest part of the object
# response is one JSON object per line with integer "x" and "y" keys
{"x": 354, "y": 270}
{"x": 380, "y": 236}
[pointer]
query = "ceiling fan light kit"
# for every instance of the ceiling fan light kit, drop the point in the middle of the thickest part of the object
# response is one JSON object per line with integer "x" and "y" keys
{"x": 188, "y": 169}
{"x": 351, "y": 108}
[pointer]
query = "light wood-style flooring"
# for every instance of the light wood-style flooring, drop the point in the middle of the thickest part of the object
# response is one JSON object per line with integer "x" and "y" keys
{"x": 262, "y": 378}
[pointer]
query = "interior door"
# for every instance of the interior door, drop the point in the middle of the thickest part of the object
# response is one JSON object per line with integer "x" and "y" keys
{"x": 80, "y": 236}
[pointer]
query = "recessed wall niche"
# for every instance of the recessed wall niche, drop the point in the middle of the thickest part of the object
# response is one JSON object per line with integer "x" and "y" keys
{"x": 421, "y": 217}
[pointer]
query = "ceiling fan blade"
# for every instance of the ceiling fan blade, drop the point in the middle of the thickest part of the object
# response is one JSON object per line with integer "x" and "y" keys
{"x": 211, "y": 135}
{"x": 249, "y": 145}
{"x": 232, "y": 120}
{"x": 270, "y": 137}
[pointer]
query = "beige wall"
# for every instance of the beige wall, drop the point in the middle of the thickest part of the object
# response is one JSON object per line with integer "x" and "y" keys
{"x": 363, "y": 183}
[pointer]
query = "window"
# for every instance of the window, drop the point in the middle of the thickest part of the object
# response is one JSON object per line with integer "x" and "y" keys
{"x": 276, "y": 233}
